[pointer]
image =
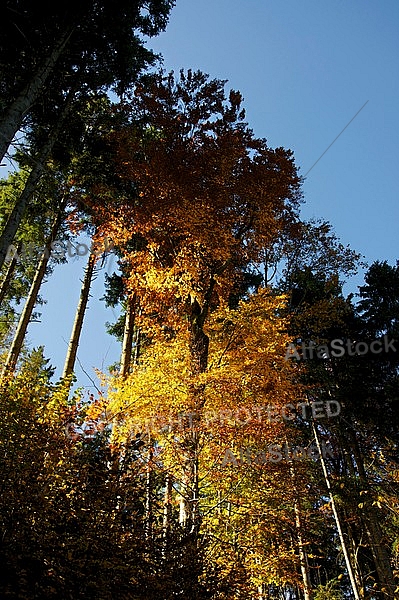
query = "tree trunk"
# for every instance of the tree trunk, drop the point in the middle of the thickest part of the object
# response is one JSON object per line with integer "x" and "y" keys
{"x": 70, "y": 359}
{"x": 303, "y": 559}
{"x": 12, "y": 120}
{"x": 198, "y": 345}
{"x": 167, "y": 510}
{"x": 148, "y": 497}
{"x": 128, "y": 336}
{"x": 5, "y": 284}
{"x": 336, "y": 515}
{"x": 137, "y": 345}
{"x": 199, "y": 341}
{"x": 16, "y": 215}
{"x": 373, "y": 529}
{"x": 26, "y": 314}
{"x": 354, "y": 552}
{"x": 351, "y": 529}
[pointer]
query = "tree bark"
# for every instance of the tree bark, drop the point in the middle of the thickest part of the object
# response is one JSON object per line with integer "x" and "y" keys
{"x": 303, "y": 558}
{"x": 199, "y": 341}
{"x": 137, "y": 345}
{"x": 198, "y": 346}
{"x": 167, "y": 509}
{"x": 16, "y": 345}
{"x": 70, "y": 359}
{"x": 354, "y": 553}
{"x": 148, "y": 497}
{"x": 14, "y": 115}
{"x": 128, "y": 336}
{"x": 373, "y": 529}
{"x": 336, "y": 516}
{"x": 351, "y": 529}
{"x": 5, "y": 284}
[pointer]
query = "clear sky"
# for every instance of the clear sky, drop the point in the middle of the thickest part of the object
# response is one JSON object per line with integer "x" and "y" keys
{"x": 305, "y": 69}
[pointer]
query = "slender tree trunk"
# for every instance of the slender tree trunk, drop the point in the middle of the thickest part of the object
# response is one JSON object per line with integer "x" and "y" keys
{"x": 373, "y": 528}
{"x": 355, "y": 543}
{"x": 128, "y": 336}
{"x": 16, "y": 215}
{"x": 167, "y": 507}
{"x": 354, "y": 553}
{"x": 13, "y": 117}
{"x": 148, "y": 497}
{"x": 336, "y": 515}
{"x": 137, "y": 345}
{"x": 5, "y": 284}
{"x": 70, "y": 359}
{"x": 303, "y": 558}
{"x": 26, "y": 314}
{"x": 167, "y": 517}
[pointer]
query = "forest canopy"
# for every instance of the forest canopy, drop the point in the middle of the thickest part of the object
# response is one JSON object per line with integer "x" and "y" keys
{"x": 230, "y": 453}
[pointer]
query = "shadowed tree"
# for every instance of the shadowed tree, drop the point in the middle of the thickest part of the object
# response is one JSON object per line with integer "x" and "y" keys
{"x": 70, "y": 45}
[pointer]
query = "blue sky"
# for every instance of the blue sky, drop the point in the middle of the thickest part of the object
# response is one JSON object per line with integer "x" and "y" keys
{"x": 304, "y": 69}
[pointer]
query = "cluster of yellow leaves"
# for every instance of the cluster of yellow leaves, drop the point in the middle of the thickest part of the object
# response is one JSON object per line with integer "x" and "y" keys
{"x": 251, "y": 503}
{"x": 206, "y": 199}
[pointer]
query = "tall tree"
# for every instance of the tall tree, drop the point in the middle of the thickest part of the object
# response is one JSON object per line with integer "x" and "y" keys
{"x": 34, "y": 232}
{"x": 92, "y": 42}
{"x": 128, "y": 334}
{"x": 31, "y": 184}
{"x": 16, "y": 345}
{"x": 341, "y": 365}
{"x": 206, "y": 197}
{"x": 72, "y": 351}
